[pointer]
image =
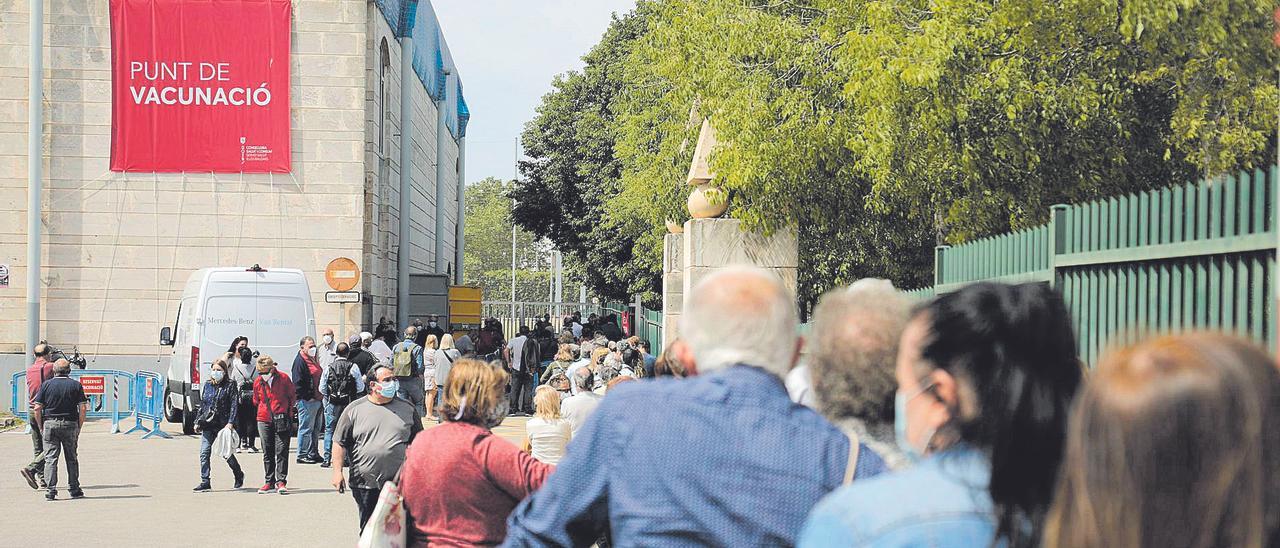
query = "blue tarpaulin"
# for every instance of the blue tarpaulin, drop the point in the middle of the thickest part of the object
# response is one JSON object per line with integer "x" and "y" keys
{"x": 417, "y": 20}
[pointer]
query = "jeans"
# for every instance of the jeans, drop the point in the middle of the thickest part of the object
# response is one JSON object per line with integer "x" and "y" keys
{"x": 366, "y": 501}
{"x": 206, "y": 448}
{"x": 275, "y": 452}
{"x": 61, "y": 437}
{"x": 413, "y": 390}
{"x": 309, "y": 427}
{"x": 522, "y": 401}
{"x": 331, "y": 414}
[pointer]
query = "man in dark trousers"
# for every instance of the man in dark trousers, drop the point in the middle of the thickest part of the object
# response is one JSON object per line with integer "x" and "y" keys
{"x": 60, "y": 408}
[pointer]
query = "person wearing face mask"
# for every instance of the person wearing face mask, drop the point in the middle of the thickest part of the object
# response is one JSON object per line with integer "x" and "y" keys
{"x": 327, "y": 349}
{"x": 459, "y": 480}
{"x": 306, "y": 374}
{"x": 274, "y": 396}
{"x": 218, "y": 408}
{"x": 986, "y": 376}
{"x": 434, "y": 328}
{"x": 243, "y": 371}
{"x": 373, "y": 433}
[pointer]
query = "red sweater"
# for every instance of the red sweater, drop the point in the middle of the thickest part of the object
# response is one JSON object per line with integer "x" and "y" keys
{"x": 281, "y": 399}
{"x": 460, "y": 482}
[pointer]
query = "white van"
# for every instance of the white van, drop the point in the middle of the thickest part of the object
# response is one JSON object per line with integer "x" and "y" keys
{"x": 272, "y": 307}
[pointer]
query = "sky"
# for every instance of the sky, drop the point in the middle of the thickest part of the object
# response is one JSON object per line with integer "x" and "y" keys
{"x": 507, "y": 52}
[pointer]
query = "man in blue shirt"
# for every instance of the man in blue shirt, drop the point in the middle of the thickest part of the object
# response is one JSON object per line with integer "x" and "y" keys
{"x": 60, "y": 408}
{"x": 721, "y": 459}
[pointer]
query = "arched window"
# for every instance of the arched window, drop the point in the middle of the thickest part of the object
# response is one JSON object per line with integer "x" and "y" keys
{"x": 384, "y": 110}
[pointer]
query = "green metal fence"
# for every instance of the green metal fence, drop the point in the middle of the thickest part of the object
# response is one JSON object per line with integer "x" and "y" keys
{"x": 647, "y": 323}
{"x": 1196, "y": 256}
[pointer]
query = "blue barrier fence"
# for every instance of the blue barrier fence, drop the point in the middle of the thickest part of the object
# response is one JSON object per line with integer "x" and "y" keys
{"x": 149, "y": 388}
{"x": 113, "y": 394}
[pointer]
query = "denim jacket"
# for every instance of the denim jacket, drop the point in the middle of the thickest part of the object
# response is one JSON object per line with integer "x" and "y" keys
{"x": 942, "y": 502}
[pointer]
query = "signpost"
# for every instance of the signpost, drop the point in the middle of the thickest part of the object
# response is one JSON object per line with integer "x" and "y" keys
{"x": 343, "y": 275}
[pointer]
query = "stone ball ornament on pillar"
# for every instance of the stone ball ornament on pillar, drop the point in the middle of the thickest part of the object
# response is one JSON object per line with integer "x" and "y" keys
{"x": 706, "y": 201}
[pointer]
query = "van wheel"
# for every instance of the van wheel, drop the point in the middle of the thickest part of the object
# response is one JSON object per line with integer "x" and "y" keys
{"x": 171, "y": 413}
{"x": 189, "y": 424}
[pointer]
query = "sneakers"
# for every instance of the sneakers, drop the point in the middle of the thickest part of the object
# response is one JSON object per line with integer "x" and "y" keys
{"x": 239, "y": 481}
{"x": 326, "y": 464}
{"x": 266, "y": 488}
{"x": 77, "y": 494}
{"x": 240, "y": 450}
{"x": 30, "y": 476}
{"x": 204, "y": 486}
{"x": 50, "y": 496}
{"x": 283, "y": 490}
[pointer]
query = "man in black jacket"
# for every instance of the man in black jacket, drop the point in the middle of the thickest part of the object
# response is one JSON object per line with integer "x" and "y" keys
{"x": 306, "y": 378}
{"x": 363, "y": 359}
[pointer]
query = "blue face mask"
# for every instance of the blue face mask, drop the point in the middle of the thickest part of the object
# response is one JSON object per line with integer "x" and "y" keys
{"x": 900, "y": 424}
{"x": 389, "y": 388}
{"x": 217, "y": 375}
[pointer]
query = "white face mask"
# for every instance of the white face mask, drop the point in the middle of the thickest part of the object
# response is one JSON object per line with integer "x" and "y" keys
{"x": 312, "y": 352}
{"x": 328, "y": 339}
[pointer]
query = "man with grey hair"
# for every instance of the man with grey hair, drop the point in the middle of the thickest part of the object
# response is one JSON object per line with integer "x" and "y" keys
{"x": 853, "y": 350}
{"x": 578, "y": 407}
{"x": 60, "y": 408}
{"x": 721, "y": 459}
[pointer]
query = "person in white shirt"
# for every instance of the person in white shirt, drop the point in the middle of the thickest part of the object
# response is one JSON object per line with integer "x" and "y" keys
{"x": 522, "y": 384}
{"x": 327, "y": 349}
{"x": 547, "y": 433}
{"x": 578, "y": 407}
{"x": 377, "y": 347}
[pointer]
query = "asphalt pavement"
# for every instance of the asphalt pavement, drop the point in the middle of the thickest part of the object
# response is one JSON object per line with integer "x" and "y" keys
{"x": 138, "y": 493}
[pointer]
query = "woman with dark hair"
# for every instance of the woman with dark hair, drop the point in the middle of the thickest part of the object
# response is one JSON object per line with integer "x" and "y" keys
{"x": 1174, "y": 442}
{"x": 243, "y": 370}
{"x": 986, "y": 376}
{"x": 460, "y": 481}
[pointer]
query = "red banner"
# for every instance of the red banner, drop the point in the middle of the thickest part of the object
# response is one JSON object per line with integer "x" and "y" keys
{"x": 200, "y": 85}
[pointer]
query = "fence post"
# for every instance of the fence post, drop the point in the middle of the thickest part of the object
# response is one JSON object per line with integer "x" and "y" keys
{"x": 938, "y": 277}
{"x": 115, "y": 403}
{"x": 1058, "y": 239}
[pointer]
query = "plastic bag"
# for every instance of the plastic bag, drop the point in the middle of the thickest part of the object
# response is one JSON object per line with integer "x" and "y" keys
{"x": 226, "y": 443}
{"x": 386, "y": 526}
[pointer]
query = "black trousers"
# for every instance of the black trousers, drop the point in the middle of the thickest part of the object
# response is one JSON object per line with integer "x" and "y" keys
{"x": 366, "y": 500}
{"x": 275, "y": 452}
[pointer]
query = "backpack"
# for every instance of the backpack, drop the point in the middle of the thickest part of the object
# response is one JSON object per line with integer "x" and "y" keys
{"x": 402, "y": 362}
{"x": 341, "y": 386}
{"x": 547, "y": 347}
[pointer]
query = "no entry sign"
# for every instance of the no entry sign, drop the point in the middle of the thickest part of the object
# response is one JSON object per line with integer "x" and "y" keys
{"x": 94, "y": 385}
{"x": 200, "y": 85}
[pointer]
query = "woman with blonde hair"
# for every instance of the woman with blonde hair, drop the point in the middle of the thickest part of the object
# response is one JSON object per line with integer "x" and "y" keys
{"x": 460, "y": 481}
{"x": 442, "y": 360}
{"x": 563, "y": 359}
{"x": 429, "y": 373}
{"x": 1173, "y": 442}
{"x": 547, "y": 432}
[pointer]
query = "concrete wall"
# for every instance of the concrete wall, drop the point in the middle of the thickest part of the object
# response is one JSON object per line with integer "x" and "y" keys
{"x": 382, "y": 174}
{"x": 119, "y": 247}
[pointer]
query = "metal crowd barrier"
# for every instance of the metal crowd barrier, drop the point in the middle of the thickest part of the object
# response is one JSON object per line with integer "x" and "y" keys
{"x": 113, "y": 394}
{"x": 148, "y": 388}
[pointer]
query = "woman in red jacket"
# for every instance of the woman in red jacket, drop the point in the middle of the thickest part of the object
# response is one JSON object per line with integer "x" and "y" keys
{"x": 459, "y": 481}
{"x": 273, "y": 394}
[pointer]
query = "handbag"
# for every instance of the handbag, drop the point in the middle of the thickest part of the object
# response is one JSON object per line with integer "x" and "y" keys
{"x": 386, "y": 527}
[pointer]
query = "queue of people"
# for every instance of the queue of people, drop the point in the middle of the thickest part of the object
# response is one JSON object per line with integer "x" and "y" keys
{"x": 967, "y": 420}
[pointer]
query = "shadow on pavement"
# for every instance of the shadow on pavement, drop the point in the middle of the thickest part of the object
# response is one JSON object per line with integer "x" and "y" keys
{"x": 124, "y": 486}
{"x": 114, "y": 497}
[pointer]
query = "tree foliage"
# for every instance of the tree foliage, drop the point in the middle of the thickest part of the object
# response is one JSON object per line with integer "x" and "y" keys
{"x": 487, "y": 255}
{"x": 881, "y": 128}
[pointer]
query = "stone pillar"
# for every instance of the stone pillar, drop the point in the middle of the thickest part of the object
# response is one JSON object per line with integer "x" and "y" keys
{"x": 710, "y": 244}
{"x": 672, "y": 288}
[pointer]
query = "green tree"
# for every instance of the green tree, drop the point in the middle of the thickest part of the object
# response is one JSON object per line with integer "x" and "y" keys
{"x": 572, "y": 171}
{"x": 487, "y": 257}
